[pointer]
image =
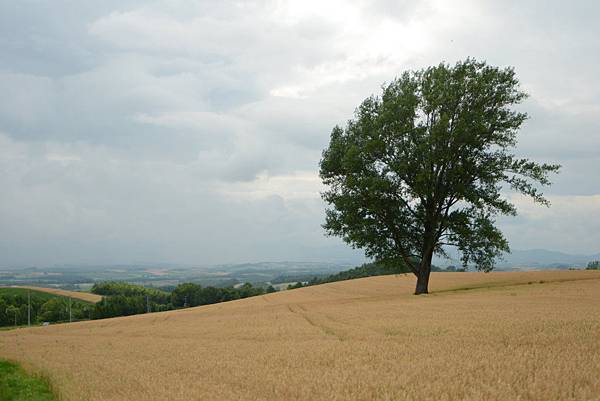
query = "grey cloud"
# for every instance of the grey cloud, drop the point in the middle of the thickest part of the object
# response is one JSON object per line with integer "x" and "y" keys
{"x": 95, "y": 209}
{"x": 49, "y": 38}
{"x": 402, "y": 10}
{"x": 146, "y": 130}
{"x": 570, "y": 224}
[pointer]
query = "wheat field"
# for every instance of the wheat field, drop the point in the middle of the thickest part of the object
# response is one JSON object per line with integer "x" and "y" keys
{"x": 496, "y": 336}
{"x": 83, "y": 296}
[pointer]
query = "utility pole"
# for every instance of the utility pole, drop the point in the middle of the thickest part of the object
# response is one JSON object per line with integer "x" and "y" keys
{"x": 29, "y": 308}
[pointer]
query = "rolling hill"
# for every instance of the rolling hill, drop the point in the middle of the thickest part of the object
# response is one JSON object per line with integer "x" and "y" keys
{"x": 82, "y": 296}
{"x": 496, "y": 336}
{"x": 529, "y": 259}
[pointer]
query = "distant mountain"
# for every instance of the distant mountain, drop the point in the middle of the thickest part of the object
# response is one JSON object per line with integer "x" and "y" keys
{"x": 285, "y": 266}
{"x": 534, "y": 259}
{"x": 545, "y": 258}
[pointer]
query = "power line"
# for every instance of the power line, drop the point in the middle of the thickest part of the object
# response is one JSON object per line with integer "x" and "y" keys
{"x": 29, "y": 308}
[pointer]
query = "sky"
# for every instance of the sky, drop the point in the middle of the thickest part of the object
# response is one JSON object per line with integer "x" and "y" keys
{"x": 190, "y": 132}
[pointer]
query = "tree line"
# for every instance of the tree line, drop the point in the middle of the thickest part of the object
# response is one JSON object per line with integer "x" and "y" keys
{"x": 119, "y": 299}
{"x": 594, "y": 265}
{"x": 124, "y": 299}
{"x": 15, "y": 307}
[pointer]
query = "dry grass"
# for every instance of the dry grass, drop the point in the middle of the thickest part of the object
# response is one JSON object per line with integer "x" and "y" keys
{"x": 366, "y": 339}
{"x": 83, "y": 296}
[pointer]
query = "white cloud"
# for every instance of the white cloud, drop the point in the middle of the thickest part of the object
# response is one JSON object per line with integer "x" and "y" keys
{"x": 569, "y": 225}
{"x": 173, "y": 129}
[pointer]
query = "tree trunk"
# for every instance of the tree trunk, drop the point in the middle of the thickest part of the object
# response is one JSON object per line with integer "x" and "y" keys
{"x": 422, "y": 283}
{"x": 423, "y": 276}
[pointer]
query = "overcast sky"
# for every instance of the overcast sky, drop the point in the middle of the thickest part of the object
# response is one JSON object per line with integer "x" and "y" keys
{"x": 190, "y": 131}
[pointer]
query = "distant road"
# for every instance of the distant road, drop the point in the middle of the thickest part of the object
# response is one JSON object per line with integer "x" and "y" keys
{"x": 84, "y": 296}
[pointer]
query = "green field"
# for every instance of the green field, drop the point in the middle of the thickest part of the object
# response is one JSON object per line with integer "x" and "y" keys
{"x": 17, "y": 385}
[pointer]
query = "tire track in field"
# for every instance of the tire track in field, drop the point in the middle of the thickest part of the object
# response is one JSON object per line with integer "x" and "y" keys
{"x": 297, "y": 309}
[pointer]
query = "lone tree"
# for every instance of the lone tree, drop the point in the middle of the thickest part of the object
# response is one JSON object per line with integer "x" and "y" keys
{"x": 422, "y": 167}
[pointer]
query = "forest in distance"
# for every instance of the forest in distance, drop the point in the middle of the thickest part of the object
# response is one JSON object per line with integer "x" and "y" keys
{"x": 167, "y": 276}
{"x": 19, "y": 306}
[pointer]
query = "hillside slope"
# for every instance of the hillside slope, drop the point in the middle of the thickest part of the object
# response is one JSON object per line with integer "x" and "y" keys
{"x": 83, "y": 296}
{"x": 528, "y": 336}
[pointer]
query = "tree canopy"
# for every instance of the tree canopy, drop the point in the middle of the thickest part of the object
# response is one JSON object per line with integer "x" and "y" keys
{"x": 425, "y": 165}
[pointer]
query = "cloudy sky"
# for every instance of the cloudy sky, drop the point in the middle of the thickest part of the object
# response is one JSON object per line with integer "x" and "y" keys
{"x": 190, "y": 131}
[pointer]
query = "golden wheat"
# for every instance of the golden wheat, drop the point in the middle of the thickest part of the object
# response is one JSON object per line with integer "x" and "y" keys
{"x": 504, "y": 336}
